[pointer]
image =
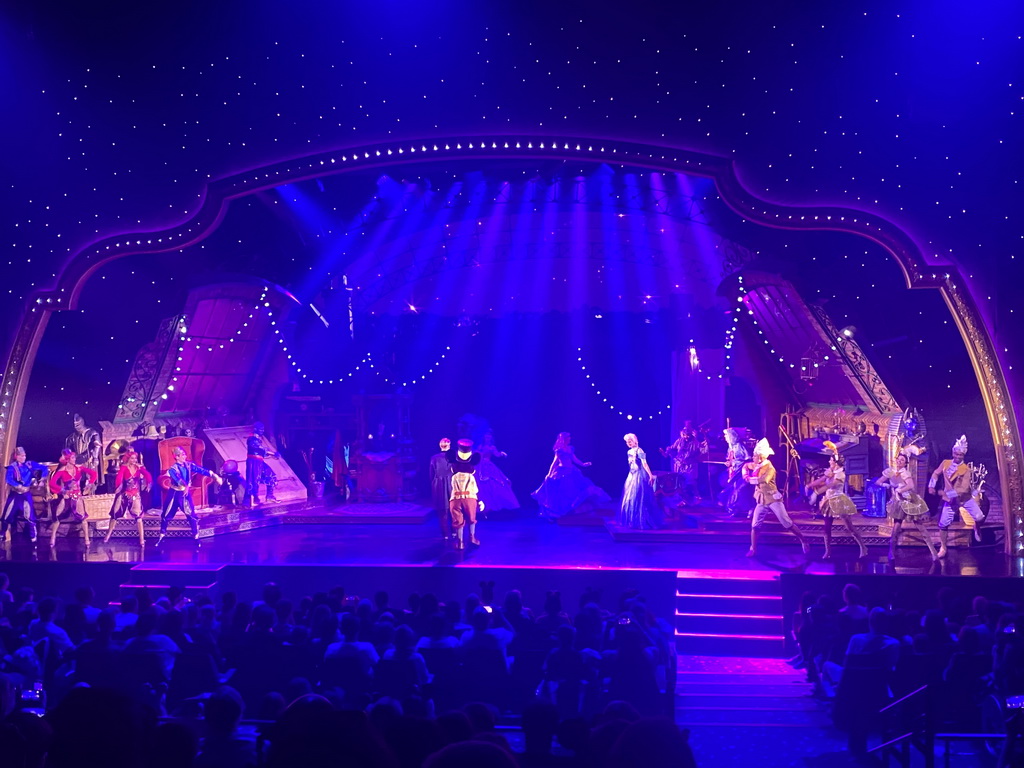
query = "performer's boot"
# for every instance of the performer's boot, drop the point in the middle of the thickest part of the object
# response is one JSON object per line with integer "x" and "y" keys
{"x": 53, "y": 533}
{"x": 33, "y": 532}
{"x": 943, "y": 541}
{"x": 752, "y": 552}
{"x": 805, "y": 545}
{"x": 828, "y": 539}
{"x": 459, "y": 542}
{"x": 856, "y": 536}
{"x": 894, "y": 541}
{"x": 472, "y": 535}
{"x": 142, "y": 533}
{"x": 110, "y": 531}
{"x": 85, "y": 533}
{"x": 160, "y": 538}
{"x": 927, "y": 540}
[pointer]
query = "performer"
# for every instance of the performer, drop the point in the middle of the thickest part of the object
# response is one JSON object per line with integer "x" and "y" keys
{"x": 638, "y": 509}
{"x": 85, "y": 442}
{"x": 835, "y": 502}
{"x": 736, "y": 456}
{"x": 465, "y": 502}
{"x": 565, "y": 488}
{"x": 441, "y": 487}
{"x": 767, "y": 498}
{"x": 179, "y": 497}
{"x": 956, "y": 492}
{"x": 131, "y": 480}
{"x": 66, "y": 485}
{"x": 905, "y": 503}
{"x": 685, "y": 454}
{"x": 22, "y": 474}
{"x": 495, "y": 488}
{"x": 256, "y": 470}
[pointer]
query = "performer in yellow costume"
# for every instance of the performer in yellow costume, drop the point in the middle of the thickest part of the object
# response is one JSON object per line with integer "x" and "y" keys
{"x": 905, "y": 503}
{"x": 767, "y": 498}
{"x": 956, "y": 491}
{"x": 836, "y": 503}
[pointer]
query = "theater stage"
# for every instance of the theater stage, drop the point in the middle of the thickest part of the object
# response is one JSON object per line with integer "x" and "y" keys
{"x": 723, "y": 602}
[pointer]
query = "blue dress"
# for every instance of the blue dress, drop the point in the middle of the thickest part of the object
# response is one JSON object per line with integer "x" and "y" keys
{"x": 639, "y": 509}
{"x": 565, "y": 489}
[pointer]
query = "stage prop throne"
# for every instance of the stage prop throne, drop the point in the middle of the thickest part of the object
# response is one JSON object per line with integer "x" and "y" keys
{"x": 194, "y": 449}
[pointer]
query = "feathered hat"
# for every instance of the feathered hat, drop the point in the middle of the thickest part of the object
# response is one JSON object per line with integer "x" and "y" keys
{"x": 960, "y": 446}
{"x": 831, "y": 447}
{"x": 763, "y": 449}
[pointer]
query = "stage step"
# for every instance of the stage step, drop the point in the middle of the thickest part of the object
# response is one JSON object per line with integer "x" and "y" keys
{"x": 729, "y": 613}
{"x": 760, "y": 605}
{"x": 796, "y": 701}
{"x": 730, "y": 623}
{"x": 751, "y": 715}
{"x": 744, "y": 692}
{"x": 720, "y": 644}
{"x": 181, "y": 574}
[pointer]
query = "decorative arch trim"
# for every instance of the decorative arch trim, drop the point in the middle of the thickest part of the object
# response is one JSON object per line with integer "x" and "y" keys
{"x": 917, "y": 273}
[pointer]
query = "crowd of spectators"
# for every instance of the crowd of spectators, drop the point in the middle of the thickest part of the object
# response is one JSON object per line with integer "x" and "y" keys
{"x": 959, "y": 662}
{"x": 335, "y": 679}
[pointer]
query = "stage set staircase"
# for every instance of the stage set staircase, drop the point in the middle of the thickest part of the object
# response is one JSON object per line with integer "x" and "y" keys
{"x": 732, "y": 677}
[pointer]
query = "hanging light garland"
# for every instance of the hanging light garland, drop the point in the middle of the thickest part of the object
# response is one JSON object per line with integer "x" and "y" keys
{"x": 760, "y": 331}
{"x": 611, "y": 406}
{"x": 415, "y": 379}
{"x": 263, "y": 306}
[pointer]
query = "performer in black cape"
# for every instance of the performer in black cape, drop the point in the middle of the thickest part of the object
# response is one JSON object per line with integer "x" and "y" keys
{"x": 441, "y": 487}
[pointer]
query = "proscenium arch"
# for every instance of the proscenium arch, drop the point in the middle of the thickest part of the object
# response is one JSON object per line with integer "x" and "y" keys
{"x": 917, "y": 273}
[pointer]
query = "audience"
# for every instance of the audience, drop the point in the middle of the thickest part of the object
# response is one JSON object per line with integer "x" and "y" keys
{"x": 591, "y": 699}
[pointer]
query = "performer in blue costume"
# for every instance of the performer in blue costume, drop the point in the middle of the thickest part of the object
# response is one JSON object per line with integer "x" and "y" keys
{"x": 639, "y": 509}
{"x": 565, "y": 489}
{"x": 256, "y": 470}
{"x": 179, "y": 497}
{"x": 495, "y": 488}
{"x": 22, "y": 474}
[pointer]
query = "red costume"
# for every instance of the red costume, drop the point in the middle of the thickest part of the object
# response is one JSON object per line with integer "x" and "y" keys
{"x": 66, "y": 485}
{"x": 131, "y": 480}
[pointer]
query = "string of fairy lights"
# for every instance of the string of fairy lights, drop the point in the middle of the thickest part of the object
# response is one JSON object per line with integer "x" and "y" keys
{"x": 263, "y": 308}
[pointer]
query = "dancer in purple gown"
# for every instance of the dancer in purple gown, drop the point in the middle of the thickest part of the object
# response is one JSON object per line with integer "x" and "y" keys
{"x": 638, "y": 509}
{"x": 495, "y": 488}
{"x": 565, "y": 489}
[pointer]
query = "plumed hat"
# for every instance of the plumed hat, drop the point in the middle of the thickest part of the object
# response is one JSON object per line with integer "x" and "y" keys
{"x": 960, "y": 446}
{"x": 762, "y": 448}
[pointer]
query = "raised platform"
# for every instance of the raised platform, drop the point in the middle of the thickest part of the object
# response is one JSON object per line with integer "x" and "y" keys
{"x": 218, "y": 521}
{"x": 714, "y": 525}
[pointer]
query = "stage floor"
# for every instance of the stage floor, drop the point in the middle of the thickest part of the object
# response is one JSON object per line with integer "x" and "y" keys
{"x": 511, "y": 540}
